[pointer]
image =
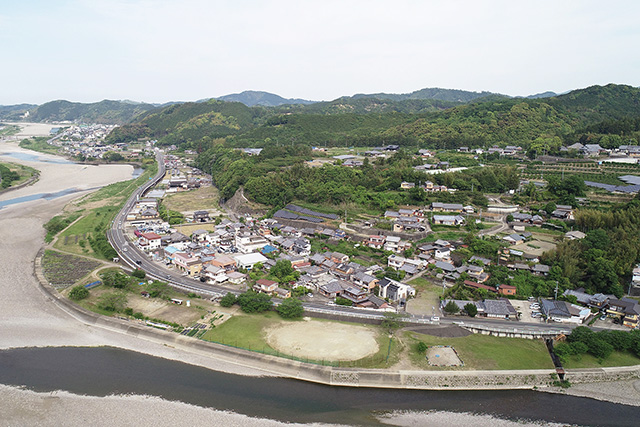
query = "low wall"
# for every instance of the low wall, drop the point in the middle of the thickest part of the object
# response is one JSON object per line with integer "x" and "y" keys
{"x": 377, "y": 378}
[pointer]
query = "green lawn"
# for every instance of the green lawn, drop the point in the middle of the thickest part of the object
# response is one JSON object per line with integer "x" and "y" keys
{"x": 486, "y": 352}
{"x": 617, "y": 358}
{"x": 246, "y": 331}
{"x": 39, "y": 144}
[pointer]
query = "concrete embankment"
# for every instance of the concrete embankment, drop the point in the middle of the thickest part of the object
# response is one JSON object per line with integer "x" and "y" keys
{"x": 379, "y": 378}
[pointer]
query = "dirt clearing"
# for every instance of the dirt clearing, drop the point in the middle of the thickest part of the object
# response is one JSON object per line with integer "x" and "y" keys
{"x": 443, "y": 356}
{"x": 323, "y": 341}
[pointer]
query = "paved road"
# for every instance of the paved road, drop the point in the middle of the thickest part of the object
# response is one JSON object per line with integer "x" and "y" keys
{"x": 134, "y": 258}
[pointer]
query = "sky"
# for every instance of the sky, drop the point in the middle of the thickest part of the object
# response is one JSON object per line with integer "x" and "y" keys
{"x": 185, "y": 50}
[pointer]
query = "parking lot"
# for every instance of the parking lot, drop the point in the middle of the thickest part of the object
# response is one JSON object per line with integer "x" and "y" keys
{"x": 523, "y": 308}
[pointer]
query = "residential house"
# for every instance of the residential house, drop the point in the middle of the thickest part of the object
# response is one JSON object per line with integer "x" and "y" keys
{"x": 514, "y": 239}
{"x": 391, "y": 243}
{"x": 541, "y": 269}
{"x": 407, "y": 185}
{"x": 215, "y": 274}
{"x": 561, "y": 311}
{"x": 446, "y": 207}
{"x": 236, "y": 277}
{"x": 475, "y": 285}
{"x": 247, "y": 243}
{"x": 575, "y": 235}
{"x": 149, "y": 241}
{"x": 507, "y": 289}
{"x": 355, "y": 294}
{"x": 283, "y": 293}
{"x": 224, "y": 261}
{"x": 201, "y": 216}
{"x": 500, "y": 308}
{"x": 448, "y": 220}
{"x": 265, "y": 286}
{"x": 627, "y": 309}
{"x": 365, "y": 280}
{"x": 395, "y": 261}
{"x": 334, "y": 288}
{"x": 187, "y": 263}
{"x": 376, "y": 242}
{"x": 394, "y": 290}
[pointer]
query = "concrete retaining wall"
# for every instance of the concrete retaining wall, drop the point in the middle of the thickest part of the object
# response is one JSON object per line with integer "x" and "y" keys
{"x": 379, "y": 378}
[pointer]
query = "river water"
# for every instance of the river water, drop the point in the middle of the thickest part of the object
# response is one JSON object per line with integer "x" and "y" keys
{"x": 101, "y": 371}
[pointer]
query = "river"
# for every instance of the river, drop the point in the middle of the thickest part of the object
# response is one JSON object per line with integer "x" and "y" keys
{"x": 29, "y": 319}
{"x": 104, "y": 371}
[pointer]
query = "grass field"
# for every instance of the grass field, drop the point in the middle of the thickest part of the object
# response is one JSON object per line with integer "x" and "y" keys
{"x": 428, "y": 296}
{"x": 248, "y": 331}
{"x": 617, "y": 358}
{"x": 24, "y": 172}
{"x": 39, "y": 144}
{"x": 205, "y": 198}
{"x": 486, "y": 352}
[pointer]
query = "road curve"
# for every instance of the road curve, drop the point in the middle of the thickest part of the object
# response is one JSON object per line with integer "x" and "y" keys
{"x": 130, "y": 255}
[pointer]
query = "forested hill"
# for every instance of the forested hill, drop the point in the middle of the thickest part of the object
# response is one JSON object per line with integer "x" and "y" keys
{"x": 545, "y": 122}
{"x": 107, "y": 112}
{"x": 252, "y": 98}
{"x": 14, "y": 112}
{"x": 451, "y": 95}
{"x": 191, "y": 123}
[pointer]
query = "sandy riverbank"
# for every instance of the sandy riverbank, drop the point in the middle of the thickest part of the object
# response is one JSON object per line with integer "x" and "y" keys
{"x": 28, "y": 317}
{"x": 625, "y": 392}
{"x": 25, "y": 407}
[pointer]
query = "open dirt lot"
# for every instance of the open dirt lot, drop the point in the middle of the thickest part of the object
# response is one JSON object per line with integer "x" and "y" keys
{"x": 534, "y": 247}
{"x": 205, "y": 198}
{"x": 323, "y": 341}
{"x": 443, "y": 356}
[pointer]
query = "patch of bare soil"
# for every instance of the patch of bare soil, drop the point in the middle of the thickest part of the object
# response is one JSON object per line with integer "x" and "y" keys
{"x": 321, "y": 341}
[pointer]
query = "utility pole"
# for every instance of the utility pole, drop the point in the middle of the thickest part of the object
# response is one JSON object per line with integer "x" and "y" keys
{"x": 556, "y": 290}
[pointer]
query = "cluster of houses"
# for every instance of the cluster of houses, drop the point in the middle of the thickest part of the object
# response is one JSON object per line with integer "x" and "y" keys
{"x": 88, "y": 141}
{"x": 222, "y": 255}
{"x": 627, "y": 310}
{"x": 411, "y": 219}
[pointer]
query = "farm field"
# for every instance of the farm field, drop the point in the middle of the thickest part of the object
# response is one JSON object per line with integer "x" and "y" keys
{"x": 63, "y": 270}
{"x": 204, "y": 198}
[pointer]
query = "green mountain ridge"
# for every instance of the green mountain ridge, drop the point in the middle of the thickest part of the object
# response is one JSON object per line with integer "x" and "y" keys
{"x": 106, "y": 111}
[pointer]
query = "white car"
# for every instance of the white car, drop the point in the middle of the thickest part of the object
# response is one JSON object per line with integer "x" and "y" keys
{"x": 435, "y": 318}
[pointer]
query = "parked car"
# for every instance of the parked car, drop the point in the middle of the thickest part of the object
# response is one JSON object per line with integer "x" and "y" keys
{"x": 435, "y": 318}
{"x": 603, "y": 317}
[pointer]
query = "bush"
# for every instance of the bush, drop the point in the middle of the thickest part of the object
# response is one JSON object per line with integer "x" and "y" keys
{"x": 228, "y": 300}
{"x": 128, "y": 311}
{"x": 291, "y": 308}
{"x": 140, "y": 274}
{"x": 451, "y": 308}
{"x": 78, "y": 292}
{"x": 422, "y": 347}
{"x": 114, "y": 301}
{"x": 138, "y": 315}
{"x": 253, "y": 302}
{"x": 471, "y": 309}
{"x": 343, "y": 301}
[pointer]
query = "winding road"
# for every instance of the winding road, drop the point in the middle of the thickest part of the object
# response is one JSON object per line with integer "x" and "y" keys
{"x": 134, "y": 258}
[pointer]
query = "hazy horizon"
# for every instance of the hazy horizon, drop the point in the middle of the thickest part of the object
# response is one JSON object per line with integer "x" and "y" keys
{"x": 168, "y": 51}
